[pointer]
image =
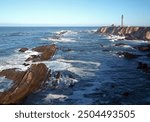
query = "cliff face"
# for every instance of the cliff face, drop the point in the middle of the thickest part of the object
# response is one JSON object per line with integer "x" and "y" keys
{"x": 130, "y": 33}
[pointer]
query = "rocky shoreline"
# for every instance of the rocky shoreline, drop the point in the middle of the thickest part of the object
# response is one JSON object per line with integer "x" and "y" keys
{"x": 130, "y": 33}
{"x": 27, "y": 82}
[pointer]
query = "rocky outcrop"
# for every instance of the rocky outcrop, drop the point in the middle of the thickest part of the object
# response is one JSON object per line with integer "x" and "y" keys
{"x": 130, "y": 33}
{"x": 25, "y": 82}
{"x": 46, "y": 53}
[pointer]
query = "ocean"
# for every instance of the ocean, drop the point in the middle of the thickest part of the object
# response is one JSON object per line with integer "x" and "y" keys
{"x": 84, "y": 58}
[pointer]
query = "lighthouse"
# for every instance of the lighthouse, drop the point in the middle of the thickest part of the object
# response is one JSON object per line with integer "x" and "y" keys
{"x": 122, "y": 17}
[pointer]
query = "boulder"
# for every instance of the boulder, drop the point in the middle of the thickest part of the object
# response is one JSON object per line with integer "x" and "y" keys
{"x": 127, "y": 55}
{"x": 23, "y": 49}
{"x": 25, "y": 83}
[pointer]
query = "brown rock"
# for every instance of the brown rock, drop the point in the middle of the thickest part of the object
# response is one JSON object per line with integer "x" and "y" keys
{"x": 131, "y": 33}
{"x": 148, "y": 35}
{"x": 25, "y": 82}
{"x": 23, "y": 49}
{"x": 34, "y": 58}
{"x": 46, "y": 53}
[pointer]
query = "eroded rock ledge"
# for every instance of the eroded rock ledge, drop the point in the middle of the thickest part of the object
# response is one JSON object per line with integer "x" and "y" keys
{"x": 130, "y": 33}
{"x": 25, "y": 82}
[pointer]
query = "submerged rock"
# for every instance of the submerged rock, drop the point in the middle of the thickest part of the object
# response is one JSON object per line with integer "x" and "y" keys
{"x": 25, "y": 64}
{"x": 126, "y": 94}
{"x": 120, "y": 44}
{"x": 23, "y": 49}
{"x": 143, "y": 66}
{"x": 143, "y": 48}
{"x": 56, "y": 37}
{"x": 127, "y": 55}
{"x": 25, "y": 83}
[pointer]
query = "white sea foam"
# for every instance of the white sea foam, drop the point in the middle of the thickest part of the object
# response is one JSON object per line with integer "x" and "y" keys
{"x": 64, "y": 40}
{"x": 61, "y": 39}
{"x": 86, "y": 69}
{"x": 16, "y": 60}
{"x": 127, "y": 46}
{"x": 66, "y": 32}
{"x": 124, "y": 46}
{"x": 115, "y": 38}
{"x": 57, "y": 65}
{"x": 79, "y": 61}
{"x": 138, "y": 41}
{"x": 50, "y": 97}
{"x": 5, "y": 84}
{"x": 91, "y": 31}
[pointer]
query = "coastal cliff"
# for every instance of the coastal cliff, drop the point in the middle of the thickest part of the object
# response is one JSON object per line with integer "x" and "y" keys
{"x": 130, "y": 33}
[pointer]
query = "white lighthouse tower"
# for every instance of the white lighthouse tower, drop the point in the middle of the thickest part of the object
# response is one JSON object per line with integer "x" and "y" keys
{"x": 122, "y": 20}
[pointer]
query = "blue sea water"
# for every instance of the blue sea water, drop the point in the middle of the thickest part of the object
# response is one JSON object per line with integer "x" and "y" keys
{"x": 87, "y": 59}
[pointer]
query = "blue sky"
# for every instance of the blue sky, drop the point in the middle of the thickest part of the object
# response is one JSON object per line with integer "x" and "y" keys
{"x": 74, "y": 12}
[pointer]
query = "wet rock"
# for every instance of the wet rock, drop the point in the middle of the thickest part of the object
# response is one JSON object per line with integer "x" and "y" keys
{"x": 56, "y": 37}
{"x": 120, "y": 44}
{"x": 148, "y": 55}
{"x": 25, "y": 83}
{"x": 46, "y": 53}
{"x": 61, "y": 33}
{"x": 126, "y": 94}
{"x": 34, "y": 58}
{"x": 112, "y": 86}
{"x": 68, "y": 50}
{"x": 143, "y": 48}
{"x": 143, "y": 66}
{"x": 25, "y": 64}
{"x": 58, "y": 75}
{"x": 101, "y": 45}
{"x": 127, "y": 55}
{"x": 23, "y": 49}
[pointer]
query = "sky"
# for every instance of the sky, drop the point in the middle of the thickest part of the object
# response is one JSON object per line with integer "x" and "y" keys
{"x": 74, "y": 12}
